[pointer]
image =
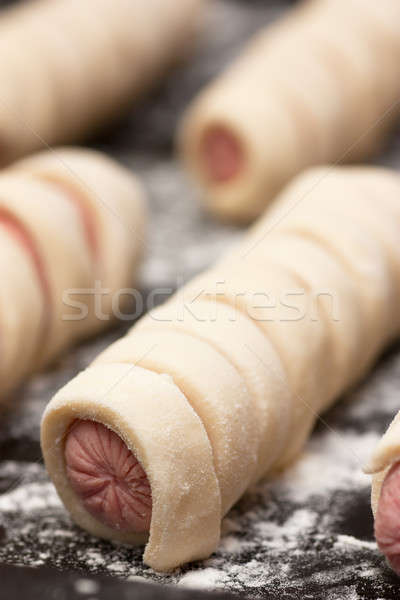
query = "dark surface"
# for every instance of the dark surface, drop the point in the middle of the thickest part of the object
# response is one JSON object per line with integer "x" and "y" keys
{"x": 51, "y": 584}
{"x": 307, "y": 535}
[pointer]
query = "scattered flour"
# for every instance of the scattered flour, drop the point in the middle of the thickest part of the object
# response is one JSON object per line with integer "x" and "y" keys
{"x": 30, "y": 497}
{"x": 318, "y": 474}
{"x": 206, "y": 579}
{"x": 348, "y": 540}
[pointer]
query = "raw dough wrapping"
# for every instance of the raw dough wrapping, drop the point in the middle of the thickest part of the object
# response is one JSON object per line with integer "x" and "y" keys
{"x": 319, "y": 86}
{"x": 255, "y": 349}
{"x": 73, "y": 66}
{"x": 58, "y": 237}
{"x": 386, "y": 454}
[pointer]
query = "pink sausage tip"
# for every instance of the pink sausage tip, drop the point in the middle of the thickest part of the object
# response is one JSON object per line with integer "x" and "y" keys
{"x": 387, "y": 521}
{"x": 221, "y": 154}
{"x": 107, "y": 477}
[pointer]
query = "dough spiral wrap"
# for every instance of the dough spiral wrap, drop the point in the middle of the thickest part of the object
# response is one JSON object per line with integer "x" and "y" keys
{"x": 59, "y": 236}
{"x": 73, "y": 66}
{"x": 318, "y": 86}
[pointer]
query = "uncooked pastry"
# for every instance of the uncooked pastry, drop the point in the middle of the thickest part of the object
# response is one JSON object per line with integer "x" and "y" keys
{"x": 75, "y": 66}
{"x": 68, "y": 219}
{"x": 222, "y": 384}
{"x": 319, "y": 86}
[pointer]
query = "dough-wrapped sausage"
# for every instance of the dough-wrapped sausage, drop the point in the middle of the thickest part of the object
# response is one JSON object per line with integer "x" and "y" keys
{"x": 385, "y": 468}
{"x": 319, "y": 86}
{"x": 67, "y": 221}
{"x": 257, "y": 347}
{"x": 73, "y": 66}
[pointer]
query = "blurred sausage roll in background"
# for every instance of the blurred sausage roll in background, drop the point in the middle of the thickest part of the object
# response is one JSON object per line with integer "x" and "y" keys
{"x": 71, "y": 66}
{"x": 69, "y": 220}
{"x": 320, "y": 85}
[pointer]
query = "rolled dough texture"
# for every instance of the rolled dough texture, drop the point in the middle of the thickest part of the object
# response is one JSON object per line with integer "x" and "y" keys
{"x": 384, "y": 468}
{"x": 68, "y": 219}
{"x": 222, "y": 384}
{"x": 74, "y": 66}
{"x": 319, "y": 86}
